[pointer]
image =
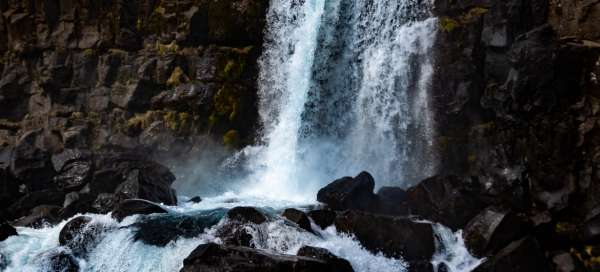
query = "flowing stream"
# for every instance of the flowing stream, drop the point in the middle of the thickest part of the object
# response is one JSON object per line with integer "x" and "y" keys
{"x": 343, "y": 88}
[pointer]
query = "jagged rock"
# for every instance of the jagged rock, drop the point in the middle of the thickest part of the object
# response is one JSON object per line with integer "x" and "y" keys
{"x": 298, "y": 217}
{"x": 335, "y": 263}
{"x": 450, "y": 200}
{"x": 323, "y": 218}
{"x": 350, "y": 193}
{"x": 246, "y": 215}
{"x": 214, "y": 257}
{"x": 519, "y": 256}
{"x": 130, "y": 207}
{"x": 6, "y": 230}
{"x": 393, "y": 236}
{"x": 493, "y": 229}
{"x": 423, "y": 266}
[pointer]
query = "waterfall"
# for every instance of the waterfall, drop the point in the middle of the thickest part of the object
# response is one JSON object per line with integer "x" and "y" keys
{"x": 344, "y": 88}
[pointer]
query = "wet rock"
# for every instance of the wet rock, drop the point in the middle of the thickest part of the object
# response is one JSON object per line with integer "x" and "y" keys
{"x": 131, "y": 207}
{"x": 214, "y": 257}
{"x": 6, "y": 230}
{"x": 160, "y": 230}
{"x": 450, "y": 200}
{"x": 40, "y": 216}
{"x": 62, "y": 261}
{"x": 335, "y": 263}
{"x": 393, "y": 236}
{"x": 298, "y": 217}
{"x": 392, "y": 194}
{"x": 74, "y": 168}
{"x": 323, "y": 218}
{"x": 493, "y": 229}
{"x": 24, "y": 205}
{"x": 423, "y": 266}
{"x": 519, "y": 256}
{"x": 105, "y": 203}
{"x": 350, "y": 193}
{"x": 195, "y": 199}
{"x": 246, "y": 215}
{"x": 79, "y": 235}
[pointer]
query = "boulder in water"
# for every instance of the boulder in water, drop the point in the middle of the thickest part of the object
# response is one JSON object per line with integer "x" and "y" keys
{"x": 524, "y": 255}
{"x": 217, "y": 258}
{"x": 390, "y": 194}
{"x": 246, "y": 215}
{"x": 335, "y": 263}
{"x": 393, "y": 236}
{"x": 450, "y": 200}
{"x": 350, "y": 193}
{"x": 195, "y": 199}
{"x": 298, "y": 217}
{"x": 130, "y": 207}
{"x": 6, "y": 230}
{"x": 161, "y": 229}
{"x": 323, "y": 218}
{"x": 63, "y": 262}
{"x": 79, "y": 235}
{"x": 493, "y": 229}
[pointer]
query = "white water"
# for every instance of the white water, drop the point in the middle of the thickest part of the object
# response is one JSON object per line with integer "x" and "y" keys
{"x": 343, "y": 88}
{"x": 117, "y": 250}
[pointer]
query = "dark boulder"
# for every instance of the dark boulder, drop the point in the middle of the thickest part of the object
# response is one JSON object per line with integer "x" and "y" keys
{"x": 195, "y": 199}
{"x": 161, "y": 229}
{"x": 298, "y": 217}
{"x": 323, "y": 218}
{"x": 395, "y": 195}
{"x": 450, "y": 200}
{"x": 63, "y": 262}
{"x": 9, "y": 190}
{"x": 246, "y": 215}
{"x": 6, "y": 230}
{"x": 493, "y": 229}
{"x": 131, "y": 207}
{"x": 393, "y": 236}
{"x": 40, "y": 216}
{"x": 80, "y": 235}
{"x": 524, "y": 255}
{"x": 335, "y": 263}
{"x": 350, "y": 193}
{"x": 74, "y": 168}
{"x": 219, "y": 258}
{"x": 23, "y": 206}
{"x": 423, "y": 266}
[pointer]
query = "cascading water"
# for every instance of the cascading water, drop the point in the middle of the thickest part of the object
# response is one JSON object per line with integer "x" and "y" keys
{"x": 344, "y": 88}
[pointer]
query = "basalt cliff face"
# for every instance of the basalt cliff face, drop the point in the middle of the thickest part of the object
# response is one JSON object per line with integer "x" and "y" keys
{"x": 91, "y": 92}
{"x": 516, "y": 92}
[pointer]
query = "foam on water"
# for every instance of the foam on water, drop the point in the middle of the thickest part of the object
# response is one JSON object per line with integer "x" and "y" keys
{"x": 116, "y": 249}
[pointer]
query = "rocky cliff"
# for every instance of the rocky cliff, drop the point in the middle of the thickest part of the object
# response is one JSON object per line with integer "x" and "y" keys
{"x": 91, "y": 92}
{"x": 517, "y": 93}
